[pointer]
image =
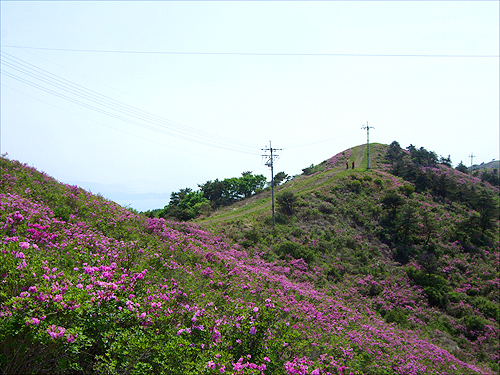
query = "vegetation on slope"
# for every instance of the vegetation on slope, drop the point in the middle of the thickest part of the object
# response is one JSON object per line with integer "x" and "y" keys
{"x": 420, "y": 250}
{"x": 90, "y": 287}
{"x": 187, "y": 204}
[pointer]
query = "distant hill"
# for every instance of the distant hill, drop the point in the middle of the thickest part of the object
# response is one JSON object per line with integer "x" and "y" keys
{"x": 366, "y": 272}
{"x": 494, "y": 164}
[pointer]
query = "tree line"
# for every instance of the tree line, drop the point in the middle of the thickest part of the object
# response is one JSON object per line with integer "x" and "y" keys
{"x": 187, "y": 203}
{"x": 445, "y": 188}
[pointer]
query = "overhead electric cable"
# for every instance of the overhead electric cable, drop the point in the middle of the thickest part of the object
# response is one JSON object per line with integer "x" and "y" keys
{"x": 187, "y": 133}
{"x": 113, "y": 88}
{"x": 163, "y": 131}
{"x": 382, "y": 136}
{"x": 251, "y": 53}
{"x": 117, "y": 116}
{"x": 82, "y": 92}
{"x": 101, "y": 99}
{"x": 123, "y": 131}
{"x": 317, "y": 142}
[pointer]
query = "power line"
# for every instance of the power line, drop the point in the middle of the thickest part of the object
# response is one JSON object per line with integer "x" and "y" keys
{"x": 125, "y": 132}
{"x": 251, "y": 53}
{"x": 113, "y": 88}
{"x": 110, "y": 103}
{"x": 97, "y": 98}
{"x": 105, "y": 112}
{"x": 142, "y": 125}
{"x": 385, "y": 139}
{"x": 120, "y": 109}
{"x": 317, "y": 142}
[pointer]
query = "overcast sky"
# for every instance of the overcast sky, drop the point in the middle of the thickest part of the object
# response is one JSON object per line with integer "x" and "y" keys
{"x": 151, "y": 97}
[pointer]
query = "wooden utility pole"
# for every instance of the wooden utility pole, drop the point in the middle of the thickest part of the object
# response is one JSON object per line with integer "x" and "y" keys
{"x": 367, "y": 143}
{"x": 270, "y": 163}
{"x": 471, "y": 156}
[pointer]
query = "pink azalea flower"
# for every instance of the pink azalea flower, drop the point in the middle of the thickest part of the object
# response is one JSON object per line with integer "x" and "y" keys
{"x": 70, "y": 338}
{"x": 34, "y": 321}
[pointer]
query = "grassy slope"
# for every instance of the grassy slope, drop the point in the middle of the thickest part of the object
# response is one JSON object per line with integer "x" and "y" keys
{"x": 261, "y": 203}
{"x": 495, "y": 164}
{"x": 89, "y": 287}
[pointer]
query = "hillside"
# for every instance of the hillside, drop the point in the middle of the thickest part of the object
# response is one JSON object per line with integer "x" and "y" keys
{"x": 430, "y": 240}
{"x": 366, "y": 274}
{"x": 494, "y": 164}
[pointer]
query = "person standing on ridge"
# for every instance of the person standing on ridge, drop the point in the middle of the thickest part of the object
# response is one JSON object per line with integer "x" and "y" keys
{"x": 353, "y": 164}
{"x": 347, "y": 164}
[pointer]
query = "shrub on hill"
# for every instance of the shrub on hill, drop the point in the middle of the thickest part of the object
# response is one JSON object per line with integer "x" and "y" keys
{"x": 286, "y": 202}
{"x": 461, "y": 167}
{"x": 295, "y": 250}
{"x": 492, "y": 177}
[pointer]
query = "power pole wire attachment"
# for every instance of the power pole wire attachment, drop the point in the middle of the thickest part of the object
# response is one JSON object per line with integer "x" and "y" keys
{"x": 367, "y": 143}
{"x": 269, "y": 163}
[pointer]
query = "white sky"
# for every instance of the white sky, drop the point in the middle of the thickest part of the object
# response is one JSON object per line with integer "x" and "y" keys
{"x": 449, "y": 105}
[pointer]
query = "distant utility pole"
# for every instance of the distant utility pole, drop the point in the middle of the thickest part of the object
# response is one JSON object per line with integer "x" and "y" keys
{"x": 471, "y": 156}
{"x": 269, "y": 163}
{"x": 367, "y": 143}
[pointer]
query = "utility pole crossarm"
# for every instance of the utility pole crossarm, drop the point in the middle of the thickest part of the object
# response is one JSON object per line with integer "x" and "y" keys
{"x": 367, "y": 143}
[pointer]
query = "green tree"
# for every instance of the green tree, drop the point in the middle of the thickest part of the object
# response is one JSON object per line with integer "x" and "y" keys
{"x": 191, "y": 205}
{"x": 280, "y": 177}
{"x": 249, "y": 184}
{"x": 462, "y": 168}
{"x": 394, "y": 152}
{"x": 214, "y": 192}
{"x": 422, "y": 157}
{"x": 406, "y": 225}
{"x": 445, "y": 161}
{"x": 173, "y": 209}
{"x": 487, "y": 207}
{"x": 185, "y": 205}
{"x": 230, "y": 190}
{"x": 309, "y": 170}
{"x": 492, "y": 177}
{"x": 176, "y": 197}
